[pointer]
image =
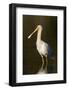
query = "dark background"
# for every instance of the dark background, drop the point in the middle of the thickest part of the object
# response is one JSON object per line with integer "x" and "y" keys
{"x": 31, "y": 58}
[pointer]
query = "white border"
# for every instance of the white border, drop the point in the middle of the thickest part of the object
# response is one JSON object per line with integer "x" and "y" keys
{"x": 19, "y": 43}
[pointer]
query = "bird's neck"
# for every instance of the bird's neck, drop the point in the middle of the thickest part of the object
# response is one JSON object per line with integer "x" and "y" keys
{"x": 39, "y": 35}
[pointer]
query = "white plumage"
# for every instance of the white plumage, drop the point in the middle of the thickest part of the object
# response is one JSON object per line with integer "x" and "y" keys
{"x": 42, "y": 47}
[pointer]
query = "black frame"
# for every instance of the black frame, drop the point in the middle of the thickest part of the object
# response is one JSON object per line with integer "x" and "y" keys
{"x": 12, "y": 43}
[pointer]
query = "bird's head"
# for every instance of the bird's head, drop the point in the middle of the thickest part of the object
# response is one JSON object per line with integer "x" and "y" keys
{"x": 39, "y": 27}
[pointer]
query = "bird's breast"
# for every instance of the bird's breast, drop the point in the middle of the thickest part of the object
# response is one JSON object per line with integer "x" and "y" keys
{"x": 42, "y": 47}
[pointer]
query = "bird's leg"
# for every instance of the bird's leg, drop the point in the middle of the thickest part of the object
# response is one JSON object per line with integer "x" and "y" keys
{"x": 42, "y": 63}
{"x": 41, "y": 69}
{"x": 46, "y": 64}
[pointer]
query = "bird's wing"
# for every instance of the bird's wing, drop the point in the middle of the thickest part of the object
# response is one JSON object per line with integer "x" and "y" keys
{"x": 44, "y": 48}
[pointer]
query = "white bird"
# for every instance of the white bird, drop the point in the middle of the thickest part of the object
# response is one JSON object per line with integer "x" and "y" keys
{"x": 42, "y": 47}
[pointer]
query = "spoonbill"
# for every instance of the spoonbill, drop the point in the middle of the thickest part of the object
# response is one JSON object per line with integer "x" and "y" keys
{"x": 42, "y": 48}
